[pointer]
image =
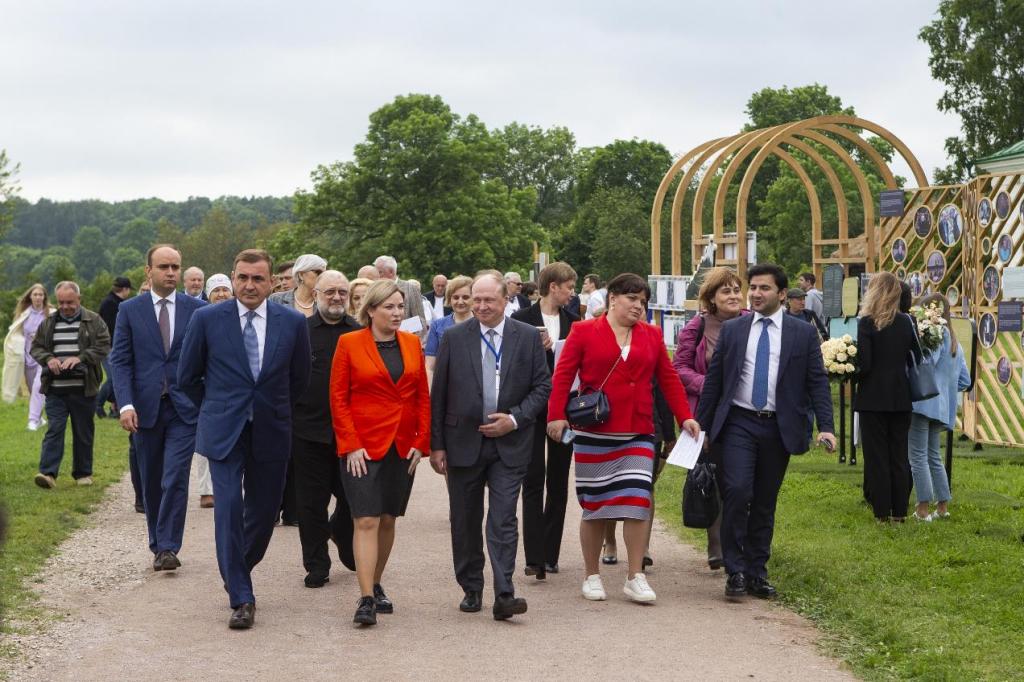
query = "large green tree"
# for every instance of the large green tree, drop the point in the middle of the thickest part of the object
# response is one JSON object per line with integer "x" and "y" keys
{"x": 977, "y": 51}
{"x": 547, "y": 162}
{"x": 90, "y": 250}
{"x": 424, "y": 187}
{"x": 8, "y": 190}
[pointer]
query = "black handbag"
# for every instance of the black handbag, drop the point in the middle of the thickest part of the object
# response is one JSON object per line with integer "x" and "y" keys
{"x": 921, "y": 375}
{"x": 590, "y": 408}
{"x": 701, "y": 504}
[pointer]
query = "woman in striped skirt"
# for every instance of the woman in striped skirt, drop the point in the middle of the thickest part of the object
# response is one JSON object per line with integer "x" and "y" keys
{"x": 620, "y": 353}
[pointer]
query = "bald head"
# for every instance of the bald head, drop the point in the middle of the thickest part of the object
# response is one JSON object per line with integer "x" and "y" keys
{"x": 368, "y": 272}
{"x": 194, "y": 279}
{"x": 331, "y": 295}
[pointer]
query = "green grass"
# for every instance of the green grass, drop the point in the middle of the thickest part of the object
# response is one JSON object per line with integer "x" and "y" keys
{"x": 40, "y": 519}
{"x": 938, "y": 601}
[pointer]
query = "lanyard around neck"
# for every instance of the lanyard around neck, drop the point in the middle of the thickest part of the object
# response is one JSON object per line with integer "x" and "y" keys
{"x": 493, "y": 351}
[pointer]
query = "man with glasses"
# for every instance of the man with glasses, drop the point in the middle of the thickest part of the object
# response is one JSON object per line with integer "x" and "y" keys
{"x": 314, "y": 454}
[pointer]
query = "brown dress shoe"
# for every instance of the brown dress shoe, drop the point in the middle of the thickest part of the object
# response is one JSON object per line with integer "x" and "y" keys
{"x": 166, "y": 560}
{"x": 45, "y": 481}
{"x": 243, "y": 617}
{"x": 206, "y": 501}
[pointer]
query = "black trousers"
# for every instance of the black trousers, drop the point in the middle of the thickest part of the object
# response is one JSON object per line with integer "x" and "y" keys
{"x": 79, "y": 409}
{"x": 289, "y": 501}
{"x": 317, "y": 478}
{"x": 754, "y": 463}
{"x": 543, "y": 520}
{"x": 886, "y": 462}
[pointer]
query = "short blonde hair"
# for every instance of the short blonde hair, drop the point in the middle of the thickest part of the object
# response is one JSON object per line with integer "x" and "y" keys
{"x": 454, "y": 284}
{"x": 713, "y": 281}
{"x": 357, "y": 282}
{"x": 377, "y": 293}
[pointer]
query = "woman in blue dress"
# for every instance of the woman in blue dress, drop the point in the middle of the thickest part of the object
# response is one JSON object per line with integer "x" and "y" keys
{"x": 457, "y": 297}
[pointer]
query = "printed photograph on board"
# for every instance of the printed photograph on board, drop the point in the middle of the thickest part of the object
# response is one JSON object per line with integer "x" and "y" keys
{"x": 986, "y": 246}
{"x": 951, "y": 225}
{"x": 901, "y": 274}
{"x": 1005, "y": 247}
{"x": 923, "y": 222}
{"x": 984, "y": 212}
{"x": 1003, "y": 370}
{"x": 953, "y": 295}
{"x": 1002, "y": 205}
{"x": 936, "y": 266}
{"x": 899, "y": 251}
{"x": 916, "y": 284}
{"x": 990, "y": 283}
{"x": 987, "y": 330}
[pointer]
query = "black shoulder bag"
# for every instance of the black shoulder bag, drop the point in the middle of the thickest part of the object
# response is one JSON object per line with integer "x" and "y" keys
{"x": 588, "y": 409}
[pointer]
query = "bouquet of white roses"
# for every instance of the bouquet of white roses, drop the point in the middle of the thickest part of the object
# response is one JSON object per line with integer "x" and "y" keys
{"x": 840, "y": 356}
{"x": 931, "y": 325}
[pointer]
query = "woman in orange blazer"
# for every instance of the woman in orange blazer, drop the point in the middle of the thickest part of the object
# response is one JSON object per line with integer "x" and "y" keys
{"x": 380, "y": 408}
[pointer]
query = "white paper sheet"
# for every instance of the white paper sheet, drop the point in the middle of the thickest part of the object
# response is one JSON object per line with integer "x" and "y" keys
{"x": 686, "y": 451}
{"x": 413, "y": 325}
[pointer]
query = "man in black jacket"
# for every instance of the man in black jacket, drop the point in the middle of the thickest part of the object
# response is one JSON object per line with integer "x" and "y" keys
{"x": 121, "y": 289}
{"x": 314, "y": 454}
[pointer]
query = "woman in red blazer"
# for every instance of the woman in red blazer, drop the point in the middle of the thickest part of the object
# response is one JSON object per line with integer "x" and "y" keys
{"x": 614, "y": 460}
{"x": 380, "y": 407}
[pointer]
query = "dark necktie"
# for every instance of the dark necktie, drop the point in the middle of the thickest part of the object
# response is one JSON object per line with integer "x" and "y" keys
{"x": 490, "y": 370}
{"x": 164, "y": 320}
{"x": 252, "y": 345}
{"x": 759, "y": 395}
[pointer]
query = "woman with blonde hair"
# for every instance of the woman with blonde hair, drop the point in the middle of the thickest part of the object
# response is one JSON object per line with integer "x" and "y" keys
{"x": 457, "y": 297}
{"x": 720, "y": 299}
{"x": 380, "y": 408}
{"x": 935, "y": 415}
{"x": 885, "y": 340}
{"x": 31, "y": 310}
{"x": 356, "y": 291}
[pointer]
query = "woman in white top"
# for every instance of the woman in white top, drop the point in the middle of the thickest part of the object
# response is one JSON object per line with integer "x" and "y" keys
{"x": 32, "y": 308}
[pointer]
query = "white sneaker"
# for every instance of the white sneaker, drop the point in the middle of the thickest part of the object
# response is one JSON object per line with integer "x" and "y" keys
{"x": 926, "y": 517}
{"x": 33, "y": 425}
{"x": 638, "y": 590}
{"x": 84, "y": 480}
{"x": 593, "y": 588}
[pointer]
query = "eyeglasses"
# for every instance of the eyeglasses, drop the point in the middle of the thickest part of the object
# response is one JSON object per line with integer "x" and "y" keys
{"x": 317, "y": 272}
{"x": 331, "y": 293}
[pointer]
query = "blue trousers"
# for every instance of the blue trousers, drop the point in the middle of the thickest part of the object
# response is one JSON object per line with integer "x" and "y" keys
{"x": 164, "y": 456}
{"x": 754, "y": 463}
{"x": 926, "y": 466}
{"x": 244, "y": 523}
{"x": 59, "y": 407}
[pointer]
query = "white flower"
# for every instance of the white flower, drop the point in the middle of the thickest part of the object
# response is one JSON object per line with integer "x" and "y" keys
{"x": 847, "y": 338}
{"x": 849, "y": 367}
{"x": 841, "y": 357}
{"x": 852, "y": 351}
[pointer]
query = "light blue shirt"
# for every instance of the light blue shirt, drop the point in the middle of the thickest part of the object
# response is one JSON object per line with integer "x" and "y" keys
{"x": 952, "y": 376}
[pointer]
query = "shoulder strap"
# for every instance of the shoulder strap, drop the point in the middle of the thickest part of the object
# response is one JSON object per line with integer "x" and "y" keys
{"x": 700, "y": 331}
{"x": 616, "y": 364}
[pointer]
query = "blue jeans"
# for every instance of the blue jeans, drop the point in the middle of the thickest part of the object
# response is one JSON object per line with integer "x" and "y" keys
{"x": 930, "y": 480}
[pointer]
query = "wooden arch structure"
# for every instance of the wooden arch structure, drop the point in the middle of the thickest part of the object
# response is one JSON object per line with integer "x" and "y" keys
{"x": 725, "y": 157}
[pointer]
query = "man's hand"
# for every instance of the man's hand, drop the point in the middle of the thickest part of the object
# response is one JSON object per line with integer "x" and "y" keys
{"x": 439, "y": 461}
{"x": 54, "y": 365}
{"x": 556, "y": 429}
{"x": 130, "y": 421}
{"x": 414, "y": 458}
{"x": 355, "y": 462}
{"x": 499, "y": 426}
{"x": 70, "y": 363}
{"x": 828, "y": 440}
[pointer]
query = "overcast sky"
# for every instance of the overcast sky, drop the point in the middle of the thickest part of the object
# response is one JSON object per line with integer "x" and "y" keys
{"x": 117, "y": 100}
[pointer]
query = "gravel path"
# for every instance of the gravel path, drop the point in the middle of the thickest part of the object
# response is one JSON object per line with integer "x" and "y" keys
{"x": 122, "y": 621}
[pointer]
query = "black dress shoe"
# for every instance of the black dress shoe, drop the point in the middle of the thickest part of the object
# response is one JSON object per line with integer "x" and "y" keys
{"x": 736, "y": 586}
{"x": 535, "y": 569}
{"x": 166, "y": 560}
{"x": 366, "y": 612}
{"x": 551, "y": 568}
{"x": 714, "y": 563}
{"x": 139, "y": 508}
{"x": 507, "y": 605}
{"x": 316, "y": 579}
{"x": 760, "y": 588}
{"x": 384, "y": 605}
{"x": 471, "y": 602}
{"x": 243, "y": 616}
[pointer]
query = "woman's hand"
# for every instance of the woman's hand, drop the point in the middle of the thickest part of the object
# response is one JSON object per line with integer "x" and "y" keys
{"x": 355, "y": 462}
{"x": 692, "y": 427}
{"x": 414, "y": 457}
{"x": 556, "y": 429}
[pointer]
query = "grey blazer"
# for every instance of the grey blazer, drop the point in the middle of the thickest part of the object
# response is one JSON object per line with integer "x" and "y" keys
{"x": 456, "y": 397}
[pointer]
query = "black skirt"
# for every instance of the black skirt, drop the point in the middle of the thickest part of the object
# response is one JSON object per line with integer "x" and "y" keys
{"x": 383, "y": 489}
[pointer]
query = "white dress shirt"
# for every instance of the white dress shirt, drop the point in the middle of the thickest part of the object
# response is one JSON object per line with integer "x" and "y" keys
{"x": 746, "y": 384}
{"x": 156, "y": 311}
{"x": 259, "y": 323}
{"x": 499, "y": 332}
{"x": 438, "y": 306}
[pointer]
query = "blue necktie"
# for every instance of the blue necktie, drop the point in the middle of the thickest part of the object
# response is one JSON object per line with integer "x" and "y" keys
{"x": 252, "y": 345}
{"x": 759, "y": 396}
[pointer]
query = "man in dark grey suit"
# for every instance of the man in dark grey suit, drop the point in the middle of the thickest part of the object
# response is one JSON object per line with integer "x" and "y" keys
{"x": 491, "y": 381}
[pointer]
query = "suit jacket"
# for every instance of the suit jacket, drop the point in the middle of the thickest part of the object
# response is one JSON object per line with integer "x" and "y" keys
{"x": 800, "y": 384}
{"x": 533, "y": 317}
{"x": 139, "y": 365}
{"x": 591, "y": 350}
{"x": 213, "y": 356}
{"x": 371, "y": 411}
{"x": 457, "y": 393}
{"x": 432, "y": 297}
{"x": 882, "y": 384}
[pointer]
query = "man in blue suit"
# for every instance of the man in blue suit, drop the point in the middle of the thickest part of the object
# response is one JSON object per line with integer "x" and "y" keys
{"x": 252, "y": 357}
{"x": 162, "y": 418}
{"x": 766, "y": 372}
